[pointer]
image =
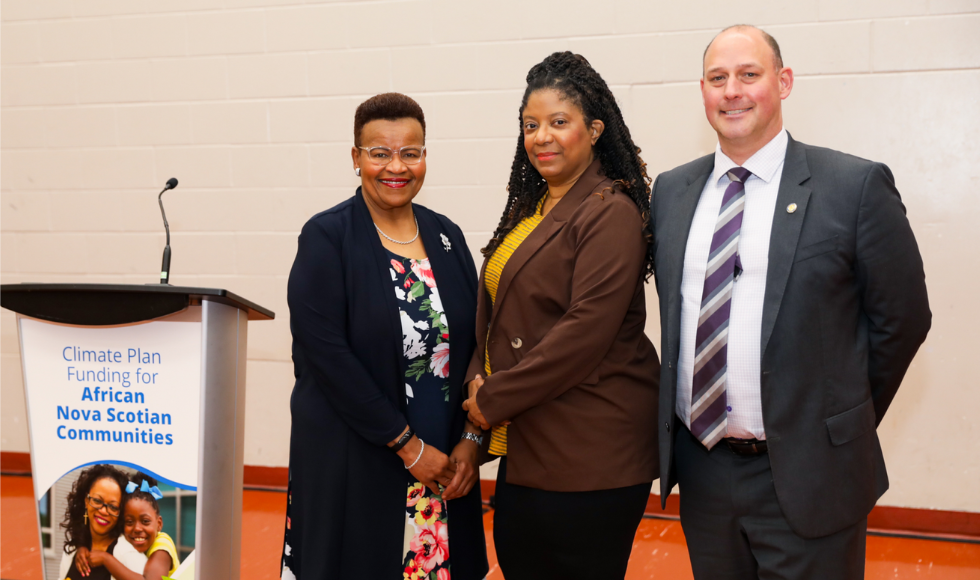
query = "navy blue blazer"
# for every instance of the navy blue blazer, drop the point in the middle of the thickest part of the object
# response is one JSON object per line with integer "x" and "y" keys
{"x": 347, "y": 503}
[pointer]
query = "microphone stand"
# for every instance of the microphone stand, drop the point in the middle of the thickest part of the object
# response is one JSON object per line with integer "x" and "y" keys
{"x": 165, "y": 269}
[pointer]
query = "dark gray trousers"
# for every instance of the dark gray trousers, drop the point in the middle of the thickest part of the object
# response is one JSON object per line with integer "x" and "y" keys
{"x": 735, "y": 528}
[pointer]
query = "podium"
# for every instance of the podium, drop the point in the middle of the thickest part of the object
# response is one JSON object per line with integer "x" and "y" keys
{"x": 147, "y": 378}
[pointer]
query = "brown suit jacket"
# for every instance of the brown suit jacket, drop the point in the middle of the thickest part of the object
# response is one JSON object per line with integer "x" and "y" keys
{"x": 572, "y": 368}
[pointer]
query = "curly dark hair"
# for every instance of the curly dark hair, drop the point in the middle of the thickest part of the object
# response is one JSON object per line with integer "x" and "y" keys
{"x": 574, "y": 78}
{"x": 389, "y": 107}
{"x": 77, "y": 533}
{"x": 138, "y": 479}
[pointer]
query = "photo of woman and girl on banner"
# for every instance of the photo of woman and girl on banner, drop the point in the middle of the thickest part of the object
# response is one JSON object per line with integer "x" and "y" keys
{"x": 113, "y": 528}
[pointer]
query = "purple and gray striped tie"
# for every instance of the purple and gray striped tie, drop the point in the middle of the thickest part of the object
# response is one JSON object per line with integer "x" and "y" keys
{"x": 709, "y": 400}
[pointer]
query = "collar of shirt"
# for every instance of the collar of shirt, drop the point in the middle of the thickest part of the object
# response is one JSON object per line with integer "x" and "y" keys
{"x": 763, "y": 164}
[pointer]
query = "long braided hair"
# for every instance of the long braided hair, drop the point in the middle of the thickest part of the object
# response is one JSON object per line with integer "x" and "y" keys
{"x": 575, "y": 79}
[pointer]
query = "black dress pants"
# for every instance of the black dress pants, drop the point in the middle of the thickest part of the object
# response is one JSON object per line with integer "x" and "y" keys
{"x": 541, "y": 534}
{"x": 736, "y": 530}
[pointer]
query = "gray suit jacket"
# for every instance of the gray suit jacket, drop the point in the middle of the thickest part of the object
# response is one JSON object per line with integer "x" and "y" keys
{"x": 844, "y": 313}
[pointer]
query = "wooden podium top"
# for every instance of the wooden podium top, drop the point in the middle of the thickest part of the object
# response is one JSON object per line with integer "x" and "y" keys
{"x": 111, "y": 304}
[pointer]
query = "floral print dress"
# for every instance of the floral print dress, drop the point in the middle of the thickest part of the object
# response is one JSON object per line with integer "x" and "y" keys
{"x": 425, "y": 334}
{"x": 425, "y": 338}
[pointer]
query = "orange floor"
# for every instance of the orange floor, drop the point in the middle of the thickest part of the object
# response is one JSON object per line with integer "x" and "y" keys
{"x": 658, "y": 552}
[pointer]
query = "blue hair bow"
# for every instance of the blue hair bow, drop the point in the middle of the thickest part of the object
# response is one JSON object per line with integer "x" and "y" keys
{"x": 154, "y": 491}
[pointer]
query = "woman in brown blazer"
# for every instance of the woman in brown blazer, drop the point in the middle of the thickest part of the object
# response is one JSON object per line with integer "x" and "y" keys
{"x": 563, "y": 372}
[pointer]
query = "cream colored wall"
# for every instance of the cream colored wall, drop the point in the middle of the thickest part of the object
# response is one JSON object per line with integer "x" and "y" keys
{"x": 250, "y": 102}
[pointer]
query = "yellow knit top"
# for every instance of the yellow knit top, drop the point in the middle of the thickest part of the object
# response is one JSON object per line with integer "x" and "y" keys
{"x": 491, "y": 277}
{"x": 164, "y": 542}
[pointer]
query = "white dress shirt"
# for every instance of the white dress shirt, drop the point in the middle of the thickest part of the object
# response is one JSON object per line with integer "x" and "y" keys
{"x": 745, "y": 324}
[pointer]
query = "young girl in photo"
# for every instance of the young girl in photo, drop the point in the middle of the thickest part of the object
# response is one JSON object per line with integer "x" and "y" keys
{"x": 142, "y": 527}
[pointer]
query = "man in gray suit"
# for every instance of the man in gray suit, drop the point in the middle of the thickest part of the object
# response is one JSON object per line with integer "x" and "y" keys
{"x": 792, "y": 301}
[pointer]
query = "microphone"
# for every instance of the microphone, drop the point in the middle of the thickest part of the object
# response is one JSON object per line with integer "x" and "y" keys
{"x": 165, "y": 269}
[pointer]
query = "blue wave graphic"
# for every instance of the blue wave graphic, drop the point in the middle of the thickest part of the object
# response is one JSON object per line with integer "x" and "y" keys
{"x": 155, "y": 475}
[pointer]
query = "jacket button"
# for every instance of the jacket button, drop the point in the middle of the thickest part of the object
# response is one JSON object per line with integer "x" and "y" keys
{"x": 516, "y": 343}
{"x": 667, "y": 425}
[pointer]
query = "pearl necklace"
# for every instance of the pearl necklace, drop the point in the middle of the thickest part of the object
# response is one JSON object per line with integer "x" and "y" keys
{"x": 393, "y": 240}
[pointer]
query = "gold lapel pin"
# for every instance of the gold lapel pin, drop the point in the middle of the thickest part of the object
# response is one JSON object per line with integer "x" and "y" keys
{"x": 791, "y": 208}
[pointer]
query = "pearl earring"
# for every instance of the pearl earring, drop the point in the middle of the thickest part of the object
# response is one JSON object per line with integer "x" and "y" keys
{"x": 357, "y": 172}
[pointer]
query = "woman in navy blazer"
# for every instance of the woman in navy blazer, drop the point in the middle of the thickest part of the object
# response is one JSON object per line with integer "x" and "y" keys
{"x": 359, "y": 417}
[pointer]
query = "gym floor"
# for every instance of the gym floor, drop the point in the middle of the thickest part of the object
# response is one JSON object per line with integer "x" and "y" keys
{"x": 659, "y": 550}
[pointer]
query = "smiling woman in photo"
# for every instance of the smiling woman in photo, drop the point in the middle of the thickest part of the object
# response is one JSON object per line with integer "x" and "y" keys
{"x": 563, "y": 371}
{"x": 92, "y": 523}
{"x": 383, "y": 473}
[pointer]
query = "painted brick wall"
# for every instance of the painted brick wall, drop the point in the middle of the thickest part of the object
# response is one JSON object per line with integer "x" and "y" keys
{"x": 250, "y": 103}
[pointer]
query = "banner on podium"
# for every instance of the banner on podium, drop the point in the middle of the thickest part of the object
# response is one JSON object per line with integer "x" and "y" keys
{"x": 115, "y": 421}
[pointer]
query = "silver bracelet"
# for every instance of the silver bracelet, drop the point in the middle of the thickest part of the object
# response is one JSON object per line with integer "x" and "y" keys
{"x": 419, "y": 457}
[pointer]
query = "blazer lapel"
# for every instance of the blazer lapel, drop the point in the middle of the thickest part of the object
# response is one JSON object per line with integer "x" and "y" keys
{"x": 484, "y": 306}
{"x": 364, "y": 236}
{"x": 449, "y": 285}
{"x": 549, "y": 226}
{"x": 785, "y": 235}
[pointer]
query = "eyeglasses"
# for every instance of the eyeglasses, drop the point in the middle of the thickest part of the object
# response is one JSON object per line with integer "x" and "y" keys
{"x": 382, "y": 156}
{"x": 98, "y": 503}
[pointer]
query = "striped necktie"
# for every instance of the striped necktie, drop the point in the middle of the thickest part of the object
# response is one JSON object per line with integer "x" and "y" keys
{"x": 709, "y": 400}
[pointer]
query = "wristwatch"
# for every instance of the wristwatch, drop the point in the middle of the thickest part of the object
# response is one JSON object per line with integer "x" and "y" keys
{"x": 478, "y": 439}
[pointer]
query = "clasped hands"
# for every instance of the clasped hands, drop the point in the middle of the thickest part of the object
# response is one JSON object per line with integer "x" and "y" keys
{"x": 458, "y": 471}
{"x": 473, "y": 410}
{"x": 451, "y": 476}
{"x": 86, "y": 559}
